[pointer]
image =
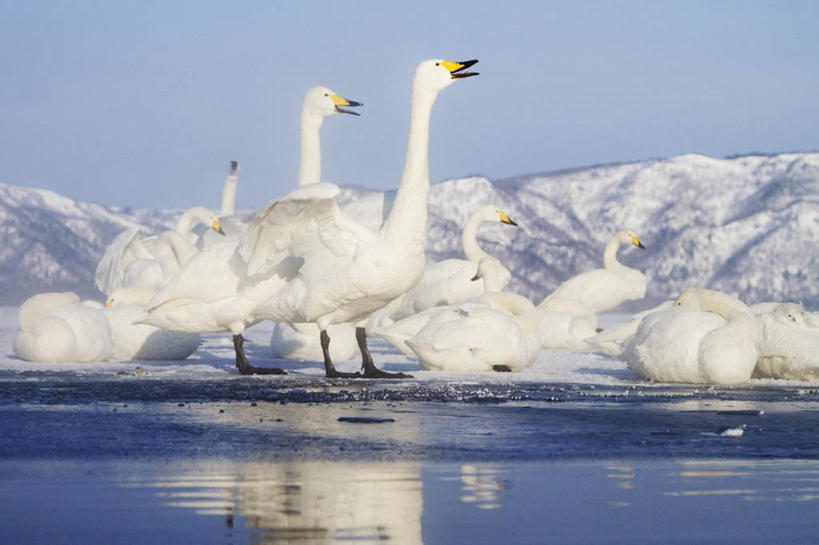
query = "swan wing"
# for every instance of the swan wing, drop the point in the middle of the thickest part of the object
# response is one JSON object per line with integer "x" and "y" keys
{"x": 117, "y": 255}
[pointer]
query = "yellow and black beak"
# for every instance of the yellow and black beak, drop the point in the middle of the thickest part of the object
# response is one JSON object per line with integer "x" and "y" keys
{"x": 505, "y": 219}
{"x": 341, "y": 101}
{"x": 636, "y": 242}
{"x": 456, "y": 69}
{"x": 217, "y": 227}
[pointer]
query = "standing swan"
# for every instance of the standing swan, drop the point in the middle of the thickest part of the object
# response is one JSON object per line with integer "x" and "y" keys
{"x": 600, "y": 290}
{"x": 219, "y": 289}
{"x": 708, "y": 337}
{"x": 349, "y": 270}
{"x": 295, "y": 341}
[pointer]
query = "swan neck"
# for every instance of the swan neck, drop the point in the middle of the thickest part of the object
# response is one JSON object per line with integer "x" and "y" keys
{"x": 187, "y": 220}
{"x": 474, "y": 253}
{"x": 408, "y": 217}
{"x": 610, "y": 255}
{"x": 310, "y": 155}
{"x": 228, "y": 207}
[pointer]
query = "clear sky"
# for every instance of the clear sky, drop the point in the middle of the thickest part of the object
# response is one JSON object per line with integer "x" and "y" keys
{"x": 144, "y": 102}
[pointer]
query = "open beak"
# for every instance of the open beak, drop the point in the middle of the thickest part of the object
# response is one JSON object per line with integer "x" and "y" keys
{"x": 636, "y": 242}
{"x": 456, "y": 69}
{"x": 340, "y": 101}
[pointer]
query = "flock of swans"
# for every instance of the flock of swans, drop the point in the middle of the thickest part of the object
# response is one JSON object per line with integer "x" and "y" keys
{"x": 319, "y": 273}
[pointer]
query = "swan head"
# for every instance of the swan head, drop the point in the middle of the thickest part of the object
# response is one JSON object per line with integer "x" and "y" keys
{"x": 727, "y": 306}
{"x": 793, "y": 315}
{"x": 627, "y": 236}
{"x": 128, "y": 296}
{"x": 322, "y": 102}
{"x": 438, "y": 74}
{"x": 491, "y": 212}
{"x": 233, "y": 168}
{"x": 206, "y": 217}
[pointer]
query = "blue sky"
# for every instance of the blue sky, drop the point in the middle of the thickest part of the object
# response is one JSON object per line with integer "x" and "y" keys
{"x": 143, "y": 103}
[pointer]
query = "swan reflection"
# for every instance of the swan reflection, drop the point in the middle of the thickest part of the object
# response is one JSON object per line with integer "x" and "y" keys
{"x": 308, "y": 503}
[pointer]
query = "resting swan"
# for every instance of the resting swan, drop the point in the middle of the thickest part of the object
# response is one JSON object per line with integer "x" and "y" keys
{"x": 135, "y": 341}
{"x": 708, "y": 337}
{"x": 220, "y": 289}
{"x": 150, "y": 263}
{"x": 495, "y": 332}
{"x": 452, "y": 281}
{"x": 57, "y": 327}
{"x": 400, "y": 332}
{"x": 349, "y": 270}
{"x": 600, "y": 290}
{"x": 789, "y": 343}
{"x": 297, "y": 341}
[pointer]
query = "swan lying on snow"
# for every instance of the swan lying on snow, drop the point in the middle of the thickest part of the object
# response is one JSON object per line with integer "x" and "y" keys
{"x": 600, "y": 290}
{"x": 495, "y": 332}
{"x": 452, "y": 281}
{"x": 56, "y": 327}
{"x": 708, "y": 338}
{"x": 350, "y": 271}
{"x": 297, "y": 341}
{"x": 135, "y": 341}
{"x": 789, "y": 343}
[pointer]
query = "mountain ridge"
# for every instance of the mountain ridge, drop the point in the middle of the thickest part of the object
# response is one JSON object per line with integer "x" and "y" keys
{"x": 748, "y": 225}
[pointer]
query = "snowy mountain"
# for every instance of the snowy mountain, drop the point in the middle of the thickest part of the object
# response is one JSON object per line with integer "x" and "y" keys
{"x": 747, "y": 225}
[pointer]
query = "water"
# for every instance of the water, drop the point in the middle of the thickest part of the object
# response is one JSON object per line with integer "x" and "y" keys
{"x": 226, "y": 502}
{"x": 573, "y": 450}
{"x": 232, "y": 461}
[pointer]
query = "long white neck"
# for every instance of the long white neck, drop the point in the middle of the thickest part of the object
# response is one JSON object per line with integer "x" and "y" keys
{"x": 408, "y": 218}
{"x": 189, "y": 217}
{"x": 229, "y": 194}
{"x": 610, "y": 255}
{"x": 474, "y": 253}
{"x": 310, "y": 161}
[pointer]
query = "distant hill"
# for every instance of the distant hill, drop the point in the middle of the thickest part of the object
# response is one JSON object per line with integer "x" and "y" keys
{"x": 747, "y": 225}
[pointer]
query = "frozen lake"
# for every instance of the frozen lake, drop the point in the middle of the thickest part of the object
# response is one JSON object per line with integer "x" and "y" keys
{"x": 573, "y": 450}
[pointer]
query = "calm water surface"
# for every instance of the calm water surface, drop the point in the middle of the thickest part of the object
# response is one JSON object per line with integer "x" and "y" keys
{"x": 221, "y": 501}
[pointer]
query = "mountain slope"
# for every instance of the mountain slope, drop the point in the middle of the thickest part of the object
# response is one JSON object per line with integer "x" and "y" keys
{"x": 747, "y": 225}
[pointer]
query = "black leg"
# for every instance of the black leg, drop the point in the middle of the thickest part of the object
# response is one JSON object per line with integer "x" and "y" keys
{"x": 244, "y": 367}
{"x": 370, "y": 370}
{"x": 330, "y": 369}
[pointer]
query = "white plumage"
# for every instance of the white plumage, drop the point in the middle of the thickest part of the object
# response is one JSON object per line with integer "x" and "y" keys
{"x": 603, "y": 289}
{"x": 708, "y": 338}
